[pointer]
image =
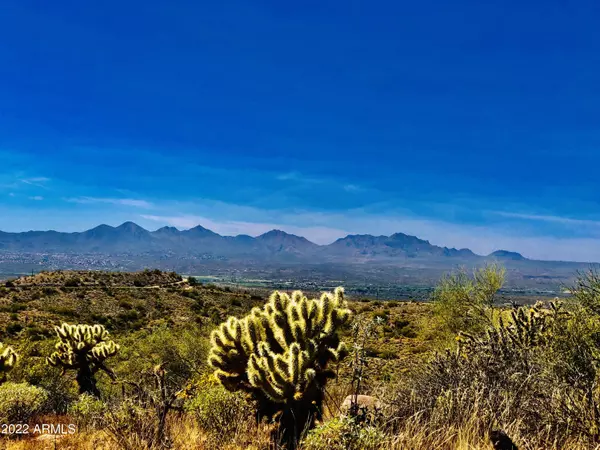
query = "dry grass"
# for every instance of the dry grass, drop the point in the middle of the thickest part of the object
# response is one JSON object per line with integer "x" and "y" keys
{"x": 413, "y": 434}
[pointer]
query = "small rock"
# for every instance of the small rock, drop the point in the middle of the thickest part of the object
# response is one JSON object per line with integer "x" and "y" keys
{"x": 363, "y": 401}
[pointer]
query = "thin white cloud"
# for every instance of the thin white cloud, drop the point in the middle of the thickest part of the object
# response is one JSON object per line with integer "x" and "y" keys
{"x": 115, "y": 201}
{"x": 547, "y": 218}
{"x": 352, "y": 188}
{"x": 300, "y": 178}
{"x": 303, "y": 179}
{"x": 36, "y": 198}
{"x": 36, "y": 181}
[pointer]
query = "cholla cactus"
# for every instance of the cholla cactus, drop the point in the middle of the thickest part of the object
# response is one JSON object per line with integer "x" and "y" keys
{"x": 8, "y": 359}
{"x": 280, "y": 354}
{"x": 529, "y": 327}
{"x": 83, "y": 348}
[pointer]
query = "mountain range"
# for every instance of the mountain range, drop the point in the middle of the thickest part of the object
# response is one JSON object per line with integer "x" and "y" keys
{"x": 359, "y": 261}
{"x": 131, "y": 238}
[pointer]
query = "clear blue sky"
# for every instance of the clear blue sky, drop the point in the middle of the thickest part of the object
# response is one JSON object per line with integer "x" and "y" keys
{"x": 468, "y": 123}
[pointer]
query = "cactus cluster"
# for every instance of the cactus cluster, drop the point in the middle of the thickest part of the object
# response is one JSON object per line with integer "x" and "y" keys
{"x": 528, "y": 328}
{"x": 8, "y": 359}
{"x": 83, "y": 348}
{"x": 280, "y": 353}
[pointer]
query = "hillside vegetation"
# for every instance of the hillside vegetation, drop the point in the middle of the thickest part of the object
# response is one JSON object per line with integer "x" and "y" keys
{"x": 153, "y": 360}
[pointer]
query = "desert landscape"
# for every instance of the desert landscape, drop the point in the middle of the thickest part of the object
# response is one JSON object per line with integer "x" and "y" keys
{"x": 316, "y": 225}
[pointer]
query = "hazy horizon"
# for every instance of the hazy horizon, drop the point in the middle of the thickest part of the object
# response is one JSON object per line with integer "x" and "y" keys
{"x": 264, "y": 228}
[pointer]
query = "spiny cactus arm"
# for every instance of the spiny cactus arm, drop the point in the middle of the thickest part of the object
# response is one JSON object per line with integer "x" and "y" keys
{"x": 297, "y": 364}
{"x": 281, "y": 328}
{"x": 297, "y": 322}
{"x": 102, "y": 351}
{"x": 82, "y": 337}
{"x": 268, "y": 331}
{"x": 64, "y": 360}
{"x": 278, "y": 379}
{"x": 78, "y": 343}
{"x": 258, "y": 377}
{"x": 339, "y": 353}
{"x": 232, "y": 381}
{"x": 332, "y": 312}
{"x": 279, "y": 301}
{"x": 338, "y": 317}
{"x": 8, "y": 359}
{"x": 324, "y": 308}
{"x": 251, "y": 333}
{"x": 232, "y": 343}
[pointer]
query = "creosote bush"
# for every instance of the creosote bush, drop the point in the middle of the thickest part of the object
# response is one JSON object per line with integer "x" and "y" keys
{"x": 464, "y": 303}
{"x": 83, "y": 348}
{"x": 19, "y": 402}
{"x": 280, "y": 355}
{"x": 343, "y": 433}
{"x": 218, "y": 412}
{"x": 87, "y": 411}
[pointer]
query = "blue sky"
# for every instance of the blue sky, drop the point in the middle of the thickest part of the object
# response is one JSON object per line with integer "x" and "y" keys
{"x": 471, "y": 124}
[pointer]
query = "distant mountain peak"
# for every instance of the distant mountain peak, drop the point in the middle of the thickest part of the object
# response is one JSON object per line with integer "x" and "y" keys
{"x": 102, "y": 226}
{"x": 200, "y": 230}
{"x": 167, "y": 230}
{"x": 280, "y": 241}
{"x": 130, "y": 226}
{"x": 407, "y": 237}
{"x": 506, "y": 254}
{"x": 280, "y": 234}
{"x": 276, "y": 233}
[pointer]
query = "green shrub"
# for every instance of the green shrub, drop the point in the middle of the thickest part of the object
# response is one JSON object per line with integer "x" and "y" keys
{"x": 14, "y": 307}
{"x": 463, "y": 303}
{"x": 33, "y": 369}
{"x": 72, "y": 282}
{"x": 19, "y": 402}
{"x": 13, "y": 328}
{"x": 344, "y": 434}
{"x": 87, "y": 411}
{"x": 217, "y": 410}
